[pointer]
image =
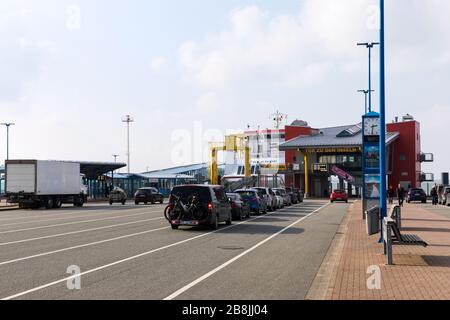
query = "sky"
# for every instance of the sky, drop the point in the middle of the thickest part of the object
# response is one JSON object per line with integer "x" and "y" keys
{"x": 190, "y": 71}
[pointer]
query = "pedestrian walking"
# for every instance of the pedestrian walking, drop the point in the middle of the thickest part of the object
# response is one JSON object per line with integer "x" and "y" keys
{"x": 391, "y": 194}
{"x": 401, "y": 195}
{"x": 434, "y": 195}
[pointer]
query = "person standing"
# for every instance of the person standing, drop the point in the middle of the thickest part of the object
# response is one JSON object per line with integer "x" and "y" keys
{"x": 400, "y": 195}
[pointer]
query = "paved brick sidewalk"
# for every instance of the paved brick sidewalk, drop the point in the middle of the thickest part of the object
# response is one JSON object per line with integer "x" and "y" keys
{"x": 419, "y": 273}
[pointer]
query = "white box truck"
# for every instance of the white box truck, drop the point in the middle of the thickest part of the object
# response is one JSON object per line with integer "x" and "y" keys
{"x": 49, "y": 184}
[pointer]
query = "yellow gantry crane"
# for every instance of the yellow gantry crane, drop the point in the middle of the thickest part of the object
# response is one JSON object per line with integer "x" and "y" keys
{"x": 233, "y": 143}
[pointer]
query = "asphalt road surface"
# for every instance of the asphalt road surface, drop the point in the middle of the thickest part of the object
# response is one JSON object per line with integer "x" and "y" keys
{"x": 130, "y": 252}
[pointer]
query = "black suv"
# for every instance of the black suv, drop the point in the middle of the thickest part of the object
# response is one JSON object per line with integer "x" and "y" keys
{"x": 147, "y": 195}
{"x": 193, "y": 205}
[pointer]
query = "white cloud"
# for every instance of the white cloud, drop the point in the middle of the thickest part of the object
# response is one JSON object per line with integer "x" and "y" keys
{"x": 158, "y": 63}
{"x": 208, "y": 103}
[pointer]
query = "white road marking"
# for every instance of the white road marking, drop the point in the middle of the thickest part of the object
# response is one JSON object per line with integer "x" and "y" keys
{"x": 81, "y": 246}
{"x": 126, "y": 260}
{"x": 77, "y": 232}
{"x": 73, "y": 217}
{"x": 72, "y": 223}
{"x": 73, "y": 212}
{"x": 204, "y": 277}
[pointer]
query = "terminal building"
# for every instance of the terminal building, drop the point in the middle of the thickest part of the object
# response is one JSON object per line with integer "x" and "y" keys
{"x": 316, "y": 157}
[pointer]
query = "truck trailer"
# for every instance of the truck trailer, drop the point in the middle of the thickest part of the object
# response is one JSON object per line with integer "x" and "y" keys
{"x": 33, "y": 184}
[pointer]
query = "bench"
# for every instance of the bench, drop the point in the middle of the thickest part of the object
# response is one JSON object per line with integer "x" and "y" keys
{"x": 392, "y": 235}
{"x": 396, "y": 214}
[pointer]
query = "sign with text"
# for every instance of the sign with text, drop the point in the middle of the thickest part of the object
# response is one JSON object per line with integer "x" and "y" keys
{"x": 334, "y": 150}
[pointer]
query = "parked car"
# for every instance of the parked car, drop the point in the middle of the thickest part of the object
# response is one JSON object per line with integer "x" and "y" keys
{"x": 147, "y": 195}
{"x": 445, "y": 193}
{"x": 416, "y": 194}
{"x": 270, "y": 197}
{"x": 300, "y": 195}
{"x": 240, "y": 209}
{"x": 440, "y": 189}
{"x": 286, "y": 197}
{"x": 292, "y": 194}
{"x": 280, "y": 199}
{"x": 212, "y": 206}
{"x": 448, "y": 199}
{"x": 118, "y": 195}
{"x": 255, "y": 200}
{"x": 339, "y": 195}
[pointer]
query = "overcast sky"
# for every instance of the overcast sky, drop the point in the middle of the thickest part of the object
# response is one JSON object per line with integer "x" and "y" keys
{"x": 190, "y": 70}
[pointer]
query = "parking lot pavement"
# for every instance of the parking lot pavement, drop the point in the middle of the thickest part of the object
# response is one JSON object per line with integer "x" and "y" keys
{"x": 131, "y": 253}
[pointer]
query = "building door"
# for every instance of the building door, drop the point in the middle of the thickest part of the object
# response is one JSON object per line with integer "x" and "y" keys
{"x": 317, "y": 188}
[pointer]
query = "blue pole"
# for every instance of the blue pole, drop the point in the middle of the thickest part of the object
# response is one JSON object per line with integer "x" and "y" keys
{"x": 370, "y": 79}
{"x": 383, "y": 186}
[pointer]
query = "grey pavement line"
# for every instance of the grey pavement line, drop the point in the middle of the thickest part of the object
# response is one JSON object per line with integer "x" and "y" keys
{"x": 224, "y": 265}
{"x": 321, "y": 288}
{"x": 20, "y": 294}
{"x": 78, "y": 231}
{"x": 64, "y": 218}
{"x": 72, "y": 223}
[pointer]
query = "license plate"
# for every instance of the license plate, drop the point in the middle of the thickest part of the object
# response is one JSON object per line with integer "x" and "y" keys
{"x": 189, "y": 223}
{"x": 339, "y": 199}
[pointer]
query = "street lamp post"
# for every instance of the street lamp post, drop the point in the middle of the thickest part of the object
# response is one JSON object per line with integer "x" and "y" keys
{"x": 115, "y": 161}
{"x": 7, "y": 125}
{"x": 128, "y": 119}
{"x": 369, "y": 45}
{"x": 383, "y": 184}
{"x": 366, "y": 92}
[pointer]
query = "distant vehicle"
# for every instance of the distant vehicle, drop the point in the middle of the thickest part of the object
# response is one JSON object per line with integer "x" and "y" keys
{"x": 240, "y": 209}
{"x": 445, "y": 193}
{"x": 416, "y": 194}
{"x": 339, "y": 195}
{"x": 193, "y": 205}
{"x": 118, "y": 195}
{"x": 147, "y": 195}
{"x": 286, "y": 197}
{"x": 292, "y": 194}
{"x": 300, "y": 195}
{"x": 440, "y": 189}
{"x": 448, "y": 199}
{"x": 255, "y": 200}
{"x": 35, "y": 183}
{"x": 271, "y": 198}
{"x": 280, "y": 199}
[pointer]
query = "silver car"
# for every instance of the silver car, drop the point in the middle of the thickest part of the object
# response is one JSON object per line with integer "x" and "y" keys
{"x": 286, "y": 196}
{"x": 280, "y": 199}
{"x": 118, "y": 195}
{"x": 271, "y": 198}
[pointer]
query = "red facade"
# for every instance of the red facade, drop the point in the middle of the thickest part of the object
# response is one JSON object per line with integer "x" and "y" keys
{"x": 293, "y": 132}
{"x": 406, "y": 165}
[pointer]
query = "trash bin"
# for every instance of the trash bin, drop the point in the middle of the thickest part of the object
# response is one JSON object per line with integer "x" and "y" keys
{"x": 373, "y": 221}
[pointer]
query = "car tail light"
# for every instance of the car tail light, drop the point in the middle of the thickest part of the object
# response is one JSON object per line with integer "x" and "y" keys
{"x": 210, "y": 206}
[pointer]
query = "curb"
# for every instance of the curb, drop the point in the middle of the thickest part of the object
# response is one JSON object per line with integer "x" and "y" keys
{"x": 8, "y": 209}
{"x": 323, "y": 284}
